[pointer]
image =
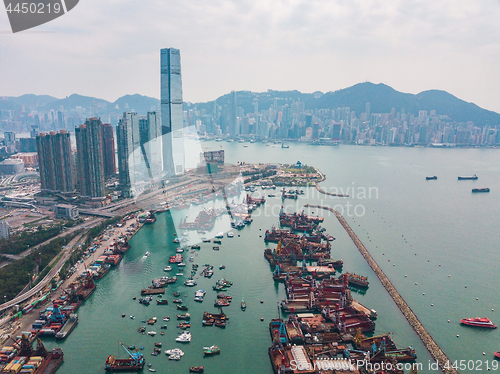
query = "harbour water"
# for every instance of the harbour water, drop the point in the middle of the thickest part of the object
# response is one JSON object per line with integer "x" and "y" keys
{"x": 430, "y": 237}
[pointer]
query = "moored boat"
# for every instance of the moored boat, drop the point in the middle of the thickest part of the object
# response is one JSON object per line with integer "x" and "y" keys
{"x": 478, "y": 322}
{"x": 135, "y": 362}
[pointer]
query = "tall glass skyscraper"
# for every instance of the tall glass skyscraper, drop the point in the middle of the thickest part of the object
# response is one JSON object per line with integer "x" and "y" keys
{"x": 172, "y": 112}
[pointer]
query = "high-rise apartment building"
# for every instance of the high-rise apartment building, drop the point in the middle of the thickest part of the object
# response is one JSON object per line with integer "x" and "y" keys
{"x": 129, "y": 152}
{"x": 108, "y": 150}
{"x": 171, "y": 112}
{"x": 90, "y": 162}
{"x": 55, "y": 162}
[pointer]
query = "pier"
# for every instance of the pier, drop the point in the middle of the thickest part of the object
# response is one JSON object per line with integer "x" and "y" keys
{"x": 436, "y": 352}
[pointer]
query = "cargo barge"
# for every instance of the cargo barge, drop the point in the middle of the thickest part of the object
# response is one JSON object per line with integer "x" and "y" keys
{"x": 68, "y": 327}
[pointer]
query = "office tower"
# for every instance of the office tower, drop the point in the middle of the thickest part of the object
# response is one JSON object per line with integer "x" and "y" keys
{"x": 60, "y": 120}
{"x": 233, "y": 116}
{"x": 172, "y": 112}
{"x": 108, "y": 150}
{"x": 89, "y": 158}
{"x": 55, "y": 162}
{"x": 367, "y": 110}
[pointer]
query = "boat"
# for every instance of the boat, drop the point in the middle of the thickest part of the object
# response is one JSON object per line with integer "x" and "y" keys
{"x": 431, "y": 178}
{"x": 181, "y": 307}
{"x": 185, "y": 337}
{"x": 355, "y": 280}
{"x": 205, "y": 240}
{"x": 168, "y": 268}
{"x": 230, "y": 234}
{"x": 174, "y": 351}
{"x": 195, "y": 246}
{"x": 184, "y": 325}
{"x": 209, "y": 351}
{"x": 177, "y": 301}
{"x": 196, "y": 369}
{"x": 179, "y": 250}
{"x": 162, "y": 302}
{"x": 480, "y": 190}
{"x": 147, "y": 254}
{"x": 151, "y": 333}
{"x": 243, "y": 305}
{"x": 217, "y": 241}
{"x": 67, "y": 327}
{"x": 221, "y": 324}
{"x": 135, "y": 362}
{"x": 216, "y": 248}
{"x": 473, "y": 177}
{"x": 185, "y": 317}
{"x": 497, "y": 354}
{"x": 190, "y": 283}
{"x": 151, "y": 369}
{"x": 222, "y": 267}
{"x": 219, "y": 235}
{"x": 478, "y": 322}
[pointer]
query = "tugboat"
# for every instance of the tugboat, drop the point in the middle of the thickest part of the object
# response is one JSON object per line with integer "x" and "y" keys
{"x": 478, "y": 322}
{"x": 135, "y": 362}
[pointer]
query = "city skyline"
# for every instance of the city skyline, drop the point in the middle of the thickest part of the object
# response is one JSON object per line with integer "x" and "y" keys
{"x": 320, "y": 46}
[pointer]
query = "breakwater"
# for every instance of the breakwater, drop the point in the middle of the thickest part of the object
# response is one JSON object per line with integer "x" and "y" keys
{"x": 320, "y": 190}
{"x": 436, "y": 352}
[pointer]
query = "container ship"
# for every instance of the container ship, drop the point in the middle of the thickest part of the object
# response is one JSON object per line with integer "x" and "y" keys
{"x": 475, "y": 190}
{"x": 473, "y": 177}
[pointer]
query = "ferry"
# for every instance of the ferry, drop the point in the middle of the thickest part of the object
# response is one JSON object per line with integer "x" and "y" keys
{"x": 478, "y": 322}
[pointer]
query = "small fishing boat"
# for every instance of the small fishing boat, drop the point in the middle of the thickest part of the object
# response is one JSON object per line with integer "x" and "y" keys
{"x": 196, "y": 369}
{"x": 209, "y": 351}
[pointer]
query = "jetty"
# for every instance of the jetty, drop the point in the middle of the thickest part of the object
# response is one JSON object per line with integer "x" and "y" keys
{"x": 436, "y": 352}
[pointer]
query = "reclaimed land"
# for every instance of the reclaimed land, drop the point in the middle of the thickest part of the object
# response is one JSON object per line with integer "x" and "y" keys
{"x": 435, "y": 351}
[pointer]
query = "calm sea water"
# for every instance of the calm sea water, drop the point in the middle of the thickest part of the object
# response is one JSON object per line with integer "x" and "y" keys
{"x": 432, "y": 237}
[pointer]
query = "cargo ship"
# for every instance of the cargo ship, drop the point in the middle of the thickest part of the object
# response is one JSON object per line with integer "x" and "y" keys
{"x": 88, "y": 287}
{"x": 67, "y": 327}
{"x": 480, "y": 190}
{"x": 473, "y": 177}
{"x": 135, "y": 362}
{"x": 478, "y": 322}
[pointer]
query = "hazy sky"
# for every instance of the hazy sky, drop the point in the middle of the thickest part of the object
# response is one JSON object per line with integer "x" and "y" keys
{"x": 111, "y": 48}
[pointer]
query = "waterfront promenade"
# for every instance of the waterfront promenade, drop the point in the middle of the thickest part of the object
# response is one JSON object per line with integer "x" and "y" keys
{"x": 436, "y": 352}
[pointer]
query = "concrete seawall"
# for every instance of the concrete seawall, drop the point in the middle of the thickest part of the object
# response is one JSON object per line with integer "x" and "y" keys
{"x": 435, "y": 351}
